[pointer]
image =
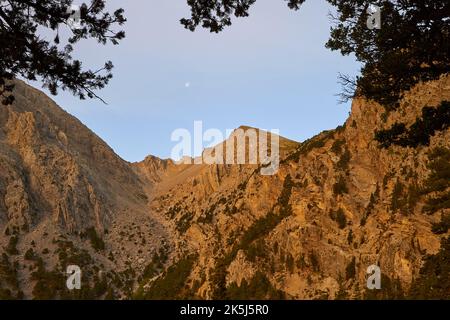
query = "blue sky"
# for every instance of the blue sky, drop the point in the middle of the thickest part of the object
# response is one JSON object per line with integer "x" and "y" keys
{"x": 270, "y": 70}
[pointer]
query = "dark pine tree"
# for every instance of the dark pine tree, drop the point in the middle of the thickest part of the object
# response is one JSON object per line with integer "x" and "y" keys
{"x": 24, "y": 52}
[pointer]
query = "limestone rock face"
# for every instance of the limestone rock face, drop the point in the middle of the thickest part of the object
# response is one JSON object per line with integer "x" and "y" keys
{"x": 337, "y": 205}
{"x": 58, "y": 179}
{"x": 330, "y": 237}
{"x": 53, "y": 166}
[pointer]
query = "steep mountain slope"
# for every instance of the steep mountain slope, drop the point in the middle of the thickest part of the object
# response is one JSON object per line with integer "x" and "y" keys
{"x": 338, "y": 205}
{"x": 61, "y": 186}
{"x": 156, "y": 229}
{"x": 70, "y": 172}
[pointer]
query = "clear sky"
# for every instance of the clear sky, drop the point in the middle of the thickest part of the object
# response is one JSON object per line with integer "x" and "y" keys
{"x": 270, "y": 70}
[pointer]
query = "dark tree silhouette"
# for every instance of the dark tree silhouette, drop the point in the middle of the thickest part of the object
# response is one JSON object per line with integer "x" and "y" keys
{"x": 434, "y": 119}
{"x": 412, "y": 45}
{"x": 26, "y": 53}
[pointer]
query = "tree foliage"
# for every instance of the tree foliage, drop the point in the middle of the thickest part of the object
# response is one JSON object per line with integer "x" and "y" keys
{"x": 438, "y": 182}
{"x": 215, "y": 15}
{"x": 340, "y": 187}
{"x": 258, "y": 288}
{"x": 434, "y": 279}
{"x": 25, "y": 52}
{"x": 433, "y": 120}
{"x": 350, "y": 270}
{"x": 96, "y": 241}
{"x": 171, "y": 285}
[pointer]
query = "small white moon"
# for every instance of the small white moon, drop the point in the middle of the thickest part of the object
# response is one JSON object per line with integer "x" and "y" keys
{"x": 187, "y": 84}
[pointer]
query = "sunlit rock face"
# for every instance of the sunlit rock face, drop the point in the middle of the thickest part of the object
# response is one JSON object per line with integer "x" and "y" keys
{"x": 336, "y": 205}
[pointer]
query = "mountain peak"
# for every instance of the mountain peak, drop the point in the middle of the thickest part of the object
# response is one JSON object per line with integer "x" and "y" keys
{"x": 336, "y": 205}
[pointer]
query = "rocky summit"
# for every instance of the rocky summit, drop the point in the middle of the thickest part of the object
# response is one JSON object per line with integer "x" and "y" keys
{"x": 372, "y": 192}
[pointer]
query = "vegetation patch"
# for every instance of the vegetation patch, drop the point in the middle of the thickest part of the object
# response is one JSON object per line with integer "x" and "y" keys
{"x": 208, "y": 214}
{"x": 434, "y": 279}
{"x": 171, "y": 285}
{"x": 339, "y": 217}
{"x": 156, "y": 265}
{"x": 398, "y": 200}
{"x": 350, "y": 270}
{"x": 443, "y": 226}
{"x": 340, "y": 187}
{"x": 95, "y": 240}
{"x": 258, "y": 288}
{"x": 184, "y": 223}
{"x": 371, "y": 205}
{"x": 12, "y": 246}
{"x": 308, "y": 145}
{"x": 343, "y": 163}
{"x": 336, "y": 148}
{"x": 419, "y": 133}
{"x": 9, "y": 286}
{"x": 438, "y": 181}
